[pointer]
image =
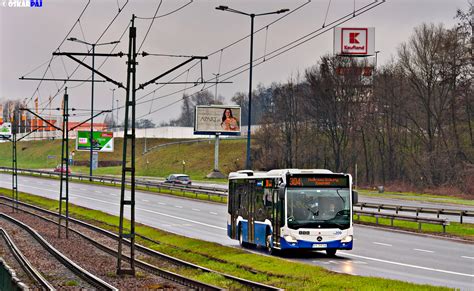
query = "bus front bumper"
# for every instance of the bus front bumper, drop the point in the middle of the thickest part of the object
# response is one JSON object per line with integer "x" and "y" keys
{"x": 315, "y": 245}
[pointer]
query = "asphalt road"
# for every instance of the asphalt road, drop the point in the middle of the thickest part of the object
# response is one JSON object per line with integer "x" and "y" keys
{"x": 377, "y": 252}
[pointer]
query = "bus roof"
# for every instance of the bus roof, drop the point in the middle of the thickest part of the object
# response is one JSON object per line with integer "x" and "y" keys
{"x": 276, "y": 173}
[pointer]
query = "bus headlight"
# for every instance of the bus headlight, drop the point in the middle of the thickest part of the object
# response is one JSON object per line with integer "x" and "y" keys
{"x": 347, "y": 239}
{"x": 290, "y": 239}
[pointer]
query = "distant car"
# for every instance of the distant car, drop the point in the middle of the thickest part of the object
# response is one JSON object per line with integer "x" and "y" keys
{"x": 178, "y": 179}
{"x": 59, "y": 170}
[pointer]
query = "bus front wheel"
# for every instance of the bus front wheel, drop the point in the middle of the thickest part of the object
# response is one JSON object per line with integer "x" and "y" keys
{"x": 241, "y": 238}
{"x": 268, "y": 244}
{"x": 331, "y": 252}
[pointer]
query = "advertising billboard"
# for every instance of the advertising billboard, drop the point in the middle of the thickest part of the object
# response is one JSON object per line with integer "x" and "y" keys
{"x": 101, "y": 141}
{"x": 221, "y": 119}
{"x": 354, "y": 41}
{"x": 6, "y": 129}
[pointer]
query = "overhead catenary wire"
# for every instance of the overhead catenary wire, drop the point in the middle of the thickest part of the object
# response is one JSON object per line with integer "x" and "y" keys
{"x": 214, "y": 52}
{"x": 166, "y": 14}
{"x": 89, "y": 50}
{"x": 327, "y": 11}
{"x": 236, "y": 42}
{"x": 59, "y": 46}
{"x": 106, "y": 58}
{"x": 151, "y": 24}
{"x": 279, "y": 51}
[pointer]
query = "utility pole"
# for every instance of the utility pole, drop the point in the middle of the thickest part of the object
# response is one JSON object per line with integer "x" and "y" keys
{"x": 128, "y": 137}
{"x": 14, "y": 165}
{"x": 64, "y": 173}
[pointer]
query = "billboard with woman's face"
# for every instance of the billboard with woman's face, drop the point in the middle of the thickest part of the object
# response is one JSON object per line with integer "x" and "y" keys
{"x": 223, "y": 119}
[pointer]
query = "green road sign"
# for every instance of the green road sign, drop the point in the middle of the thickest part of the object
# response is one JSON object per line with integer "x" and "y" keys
{"x": 6, "y": 129}
{"x": 101, "y": 141}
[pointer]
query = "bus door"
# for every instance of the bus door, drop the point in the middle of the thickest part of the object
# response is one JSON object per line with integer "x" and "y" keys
{"x": 276, "y": 215}
{"x": 234, "y": 205}
{"x": 251, "y": 211}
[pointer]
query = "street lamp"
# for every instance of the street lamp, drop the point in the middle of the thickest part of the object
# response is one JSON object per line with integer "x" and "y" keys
{"x": 92, "y": 93}
{"x": 117, "y": 124}
{"x": 112, "y": 113}
{"x": 252, "y": 18}
{"x": 376, "y": 53}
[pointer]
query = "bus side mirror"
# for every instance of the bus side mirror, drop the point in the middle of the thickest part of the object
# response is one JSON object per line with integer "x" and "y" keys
{"x": 281, "y": 191}
{"x": 355, "y": 197}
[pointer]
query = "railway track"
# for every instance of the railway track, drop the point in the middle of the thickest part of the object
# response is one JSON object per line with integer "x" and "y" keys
{"x": 144, "y": 251}
{"x": 25, "y": 264}
{"x": 78, "y": 271}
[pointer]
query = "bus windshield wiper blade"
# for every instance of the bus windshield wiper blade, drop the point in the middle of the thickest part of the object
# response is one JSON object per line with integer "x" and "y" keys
{"x": 337, "y": 191}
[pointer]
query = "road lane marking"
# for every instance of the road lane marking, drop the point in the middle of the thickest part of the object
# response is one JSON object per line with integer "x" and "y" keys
{"x": 194, "y": 209}
{"x": 82, "y": 189}
{"x": 406, "y": 265}
{"x": 178, "y": 206}
{"x": 421, "y": 250}
{"x": 382, "y": 244}
{"x": 42, "y": 189}
{"x": 98, "y": 192}
{"x": 466, "y": 257}
{"x": 112, "y": 194}
{"x": 161, "y": 203}
{"x": 143, "y": 200}
{"x": 213, "y": 213}
{"x": 184, "y": 219}
{"x": 159, "y": 213}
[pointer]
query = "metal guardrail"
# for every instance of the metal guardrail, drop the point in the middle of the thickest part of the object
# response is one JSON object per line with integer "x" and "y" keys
{"x": 431, "y": 210}
{"x": 419, "y": 220}
{"x": 209, "y": 191}
{"x": 221, "y": 193}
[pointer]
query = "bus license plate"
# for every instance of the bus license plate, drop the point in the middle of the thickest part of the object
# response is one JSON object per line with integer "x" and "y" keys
{"x": 319, "y": 246}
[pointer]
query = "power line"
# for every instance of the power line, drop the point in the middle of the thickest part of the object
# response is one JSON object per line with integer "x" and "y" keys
{"x": 232, "y": 44}
{"x": 279, "y": 51}
{"x": 60, "y": 44}
{"x": 151, "y": 24}
{"x": 166, "y": 14}
{"x": 89, "y": 50}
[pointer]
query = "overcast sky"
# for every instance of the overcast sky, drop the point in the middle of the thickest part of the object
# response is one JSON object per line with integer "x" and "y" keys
{"x": 28, "y": 36}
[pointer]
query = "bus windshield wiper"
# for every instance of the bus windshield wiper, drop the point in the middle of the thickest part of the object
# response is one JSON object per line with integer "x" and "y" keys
{"x": 314, "y": 213}
{"x": 337, "y": 191}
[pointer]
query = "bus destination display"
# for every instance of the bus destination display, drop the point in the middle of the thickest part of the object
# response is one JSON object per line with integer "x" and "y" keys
{"x": 318, "y": 181}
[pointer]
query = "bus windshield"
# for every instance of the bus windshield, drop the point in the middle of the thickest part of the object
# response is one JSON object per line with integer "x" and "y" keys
{"x": 318, "y": 208}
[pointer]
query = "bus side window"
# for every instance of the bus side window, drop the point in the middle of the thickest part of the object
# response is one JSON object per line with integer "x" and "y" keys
{"x": 243, "y": 199}
{"x": 259, "y": 205}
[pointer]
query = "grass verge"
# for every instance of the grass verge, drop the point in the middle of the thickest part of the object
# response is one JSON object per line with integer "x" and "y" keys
{"x": 269, "y": 270}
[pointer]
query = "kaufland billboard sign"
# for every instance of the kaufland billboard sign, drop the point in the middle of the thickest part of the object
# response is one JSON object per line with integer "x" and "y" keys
{"x": 354, "y": 41}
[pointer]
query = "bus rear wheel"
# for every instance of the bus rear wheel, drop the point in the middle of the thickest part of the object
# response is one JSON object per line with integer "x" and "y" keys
{"x": 331, "y": 252}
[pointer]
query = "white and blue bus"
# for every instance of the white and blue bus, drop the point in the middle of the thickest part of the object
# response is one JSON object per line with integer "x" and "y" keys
{"x": 291, "y": 209}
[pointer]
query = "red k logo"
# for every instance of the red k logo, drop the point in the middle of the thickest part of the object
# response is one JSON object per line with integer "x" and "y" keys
{"x": 353, "y": 37}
